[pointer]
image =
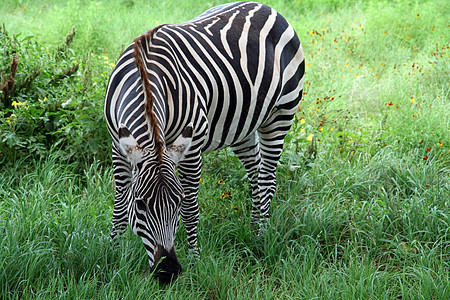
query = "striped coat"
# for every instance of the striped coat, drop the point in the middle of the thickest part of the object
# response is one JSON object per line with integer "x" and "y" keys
{"x": 231, "y": 77}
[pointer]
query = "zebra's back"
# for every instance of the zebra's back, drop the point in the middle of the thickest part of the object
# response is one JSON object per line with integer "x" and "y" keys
{"x": 241, "y": 59}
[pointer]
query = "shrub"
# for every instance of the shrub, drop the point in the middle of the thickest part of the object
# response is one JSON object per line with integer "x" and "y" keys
{"x": 51, "y": 98}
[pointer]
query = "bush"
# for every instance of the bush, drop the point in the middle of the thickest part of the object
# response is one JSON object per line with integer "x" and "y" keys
{"x": 51, "y": 98}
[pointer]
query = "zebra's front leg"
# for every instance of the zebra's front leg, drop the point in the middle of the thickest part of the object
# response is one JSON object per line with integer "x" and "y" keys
{"x": 122, "y": 178}
{"x": 189, "y": 171}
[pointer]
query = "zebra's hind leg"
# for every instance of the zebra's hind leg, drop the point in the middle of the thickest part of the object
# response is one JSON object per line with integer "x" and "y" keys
{"x": 271, "y": 142}
{"x": 122, "y": 177}
{"x": 248, "y": 153}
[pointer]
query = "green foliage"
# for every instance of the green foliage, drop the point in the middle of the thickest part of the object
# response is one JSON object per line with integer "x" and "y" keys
{"x": 29, "y": 70}
{"x": 51, "y": 97}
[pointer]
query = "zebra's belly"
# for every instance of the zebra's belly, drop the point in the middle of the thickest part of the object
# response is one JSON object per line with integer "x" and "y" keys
{"x": 226, "y": 134}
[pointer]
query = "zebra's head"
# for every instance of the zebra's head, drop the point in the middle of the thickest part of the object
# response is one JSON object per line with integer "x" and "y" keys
{"x": 155, "y": 199}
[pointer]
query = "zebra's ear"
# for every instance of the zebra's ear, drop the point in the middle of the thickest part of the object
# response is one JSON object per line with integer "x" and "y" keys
{"x": 181, "y": 144}
{"x": 130, "y": 146}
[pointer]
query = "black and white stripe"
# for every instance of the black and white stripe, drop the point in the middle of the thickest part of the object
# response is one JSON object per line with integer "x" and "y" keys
{"x": 235, "y": 74}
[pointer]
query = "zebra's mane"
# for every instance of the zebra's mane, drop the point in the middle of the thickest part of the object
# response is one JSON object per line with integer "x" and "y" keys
{"x": 138, "y": 54}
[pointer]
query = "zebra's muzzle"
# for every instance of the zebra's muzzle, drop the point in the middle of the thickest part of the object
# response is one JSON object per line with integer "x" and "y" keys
{"x": 167, "y": 267}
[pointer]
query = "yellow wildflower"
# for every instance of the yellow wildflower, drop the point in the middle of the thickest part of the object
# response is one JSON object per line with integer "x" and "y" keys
{"x": 226, "y": 194}
{"x": 17, "y": 104}
{"x": 310, "y": 137}
{"x": 12, "y": 116}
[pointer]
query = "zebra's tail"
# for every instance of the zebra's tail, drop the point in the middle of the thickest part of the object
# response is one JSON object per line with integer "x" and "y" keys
{"x": 145, "y": 39}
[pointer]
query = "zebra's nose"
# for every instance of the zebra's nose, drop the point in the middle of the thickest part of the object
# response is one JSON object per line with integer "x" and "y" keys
{"x": 167, "y": 266}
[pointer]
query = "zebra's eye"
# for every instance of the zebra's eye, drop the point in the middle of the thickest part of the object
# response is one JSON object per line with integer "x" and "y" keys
{"x": 140, "y": 203}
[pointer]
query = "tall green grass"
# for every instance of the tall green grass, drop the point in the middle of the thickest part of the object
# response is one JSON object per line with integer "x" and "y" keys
{"x": 362, "y": 205}
{"x": 374, "y": 231}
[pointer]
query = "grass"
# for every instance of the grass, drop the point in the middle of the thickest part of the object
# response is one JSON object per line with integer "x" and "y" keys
{"x": 376, "y": 232}
{"x": 362, "y": 206}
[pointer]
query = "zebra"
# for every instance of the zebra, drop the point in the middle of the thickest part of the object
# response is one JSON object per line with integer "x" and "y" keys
{"x": 231, "y": 77}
